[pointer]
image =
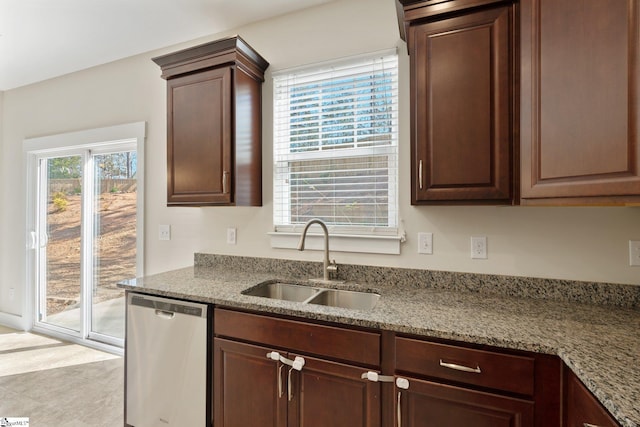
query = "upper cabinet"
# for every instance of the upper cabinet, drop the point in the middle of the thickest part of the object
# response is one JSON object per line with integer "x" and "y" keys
{"x": 555, "y": 125}
{"x": 463, "y": 146}
{"x": 214, "y": 124}
{"x": 579, "y": 101}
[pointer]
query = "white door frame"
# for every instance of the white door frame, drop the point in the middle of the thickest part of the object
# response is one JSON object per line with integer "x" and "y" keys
{"x": 113, "y": 138}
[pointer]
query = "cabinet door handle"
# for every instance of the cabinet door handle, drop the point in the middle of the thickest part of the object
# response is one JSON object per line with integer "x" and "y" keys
{"x": 225, "y": 182}
{"x": 462, "y": 368}
{"x": 420, "y": 174}
{"x": 399, "y": 409}
{"x": 589, "y": 425}
{"x": 290, "y": 385}
{"x": 280, "y": 381}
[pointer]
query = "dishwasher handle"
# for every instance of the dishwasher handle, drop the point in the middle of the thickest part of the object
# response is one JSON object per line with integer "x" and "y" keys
{"x": 165, "y": 314}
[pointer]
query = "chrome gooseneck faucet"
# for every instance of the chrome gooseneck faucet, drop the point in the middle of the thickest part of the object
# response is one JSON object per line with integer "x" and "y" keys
{"x": 328, "y": 266}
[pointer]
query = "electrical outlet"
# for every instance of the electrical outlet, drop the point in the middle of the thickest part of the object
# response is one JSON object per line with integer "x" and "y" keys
{"x": 231, "y": 236}
{"x": 425, "y": 243}
{"x": 12, "y": 294}
{"x": 634, "y": 253}
{"x": 479, "y": 247}
{"x": 164, "y": 232}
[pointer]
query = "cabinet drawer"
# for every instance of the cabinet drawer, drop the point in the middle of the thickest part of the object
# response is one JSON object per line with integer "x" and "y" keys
{"x": 464, "y": 365}
{"x": 360, "y": 347}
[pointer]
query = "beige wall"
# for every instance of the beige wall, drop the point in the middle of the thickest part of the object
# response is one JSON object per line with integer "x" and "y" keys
{"x": 565, "y": 243}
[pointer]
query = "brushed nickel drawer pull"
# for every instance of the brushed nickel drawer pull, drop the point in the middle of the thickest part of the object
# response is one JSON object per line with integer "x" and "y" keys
{"x": 420, "y": 174}
{"x": 462, "y": 368}
{"x": 589, "y": 425}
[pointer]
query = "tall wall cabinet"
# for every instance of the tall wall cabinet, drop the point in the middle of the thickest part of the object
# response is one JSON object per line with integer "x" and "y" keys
{"x": 579, "y": 101}
{"x": 462, "y": 101}
{"x": 214, "y": 124}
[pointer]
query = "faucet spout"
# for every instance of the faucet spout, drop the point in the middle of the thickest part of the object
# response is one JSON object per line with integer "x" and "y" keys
{"x": 327, "y": 266}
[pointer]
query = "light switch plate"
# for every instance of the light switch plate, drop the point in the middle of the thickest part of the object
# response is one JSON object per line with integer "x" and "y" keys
{"x": 164, "y": 232}
{"x": 425, "y": 243}
{"x": 231, "y": 236}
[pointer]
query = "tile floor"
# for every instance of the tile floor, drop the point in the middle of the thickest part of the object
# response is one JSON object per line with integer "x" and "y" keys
{"x": 55, "y": 383}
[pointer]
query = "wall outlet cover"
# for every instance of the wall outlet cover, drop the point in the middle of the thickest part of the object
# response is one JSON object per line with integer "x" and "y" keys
{"x": 479, "y": 247}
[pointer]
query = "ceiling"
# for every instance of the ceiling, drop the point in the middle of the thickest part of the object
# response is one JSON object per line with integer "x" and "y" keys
{"x": 41, "y": 39}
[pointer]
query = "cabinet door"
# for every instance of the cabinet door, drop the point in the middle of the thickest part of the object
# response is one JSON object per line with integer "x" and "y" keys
{"x": 333, "y": 394}
{"x": 581, "y": 408}
{"x": 579, "y": 101}
{"x": 427, "y": 404}
{"x": 249, "y": 389}
{"x": 461, "y": 96}
{"x": 199, "y": 138}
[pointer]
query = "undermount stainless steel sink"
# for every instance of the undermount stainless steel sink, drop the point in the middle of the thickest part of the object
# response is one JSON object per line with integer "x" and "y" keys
{"x": 354, "y": 300}
{"x": 346, "y": 299}
{"x": 284, "y": 291}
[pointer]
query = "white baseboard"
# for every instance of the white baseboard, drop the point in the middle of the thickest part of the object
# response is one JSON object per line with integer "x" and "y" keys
{"x": 13, "y": 321}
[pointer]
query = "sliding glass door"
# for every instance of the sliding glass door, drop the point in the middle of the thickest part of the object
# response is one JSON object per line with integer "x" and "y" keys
{"x": 114, "y": 239}
{"x": 85, "y": 239}
{"x": 60, "y": 238}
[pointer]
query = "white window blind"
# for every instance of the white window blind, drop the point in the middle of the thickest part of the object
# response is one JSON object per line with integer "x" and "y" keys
{"x": 335, "y": 146}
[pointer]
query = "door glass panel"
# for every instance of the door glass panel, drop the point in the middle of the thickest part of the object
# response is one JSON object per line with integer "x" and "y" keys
{"x": 60, "y": 242}
{"x": 114, "y": 239}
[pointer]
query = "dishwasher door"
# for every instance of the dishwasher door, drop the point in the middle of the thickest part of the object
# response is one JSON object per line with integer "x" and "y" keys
{"x": 166, "y": 362}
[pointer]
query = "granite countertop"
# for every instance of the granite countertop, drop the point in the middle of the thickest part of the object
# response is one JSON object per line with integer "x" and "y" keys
{"x": 601, "y": 344}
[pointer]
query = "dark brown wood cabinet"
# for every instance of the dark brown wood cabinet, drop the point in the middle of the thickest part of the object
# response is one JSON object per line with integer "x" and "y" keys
{"x": 446, "y": 405}
{"x": 580, "y": 407}
{"x": 248, "y": 387}
{"x": 458, "y": 386}
{"x": 463, "y": 86}
{"x": 580, "y": 86}
{"x": 214, "y": 124}
{"x": 252, "y": 389}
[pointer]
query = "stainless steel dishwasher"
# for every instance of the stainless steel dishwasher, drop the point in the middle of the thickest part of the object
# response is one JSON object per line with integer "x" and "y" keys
{"x": 166, "y": 362}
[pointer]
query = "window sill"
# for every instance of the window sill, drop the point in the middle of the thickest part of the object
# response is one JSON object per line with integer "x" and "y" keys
{"x": 366, "y": 244}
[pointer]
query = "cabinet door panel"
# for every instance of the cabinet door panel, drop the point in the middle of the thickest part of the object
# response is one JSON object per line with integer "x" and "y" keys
{"x": 581, "y": 407}
{"x": 246, "y": 391}
{"x": 461, "y": 125}
{"x": 333, "y": 394}
{"x": 427, "y": 404}
{"x": 579, "y": 111}
{"x": 199, "y": 138}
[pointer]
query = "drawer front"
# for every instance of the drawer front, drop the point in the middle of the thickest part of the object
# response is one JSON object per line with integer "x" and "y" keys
{"x": 360, "y": 347}
{"x": 489, "y": 369}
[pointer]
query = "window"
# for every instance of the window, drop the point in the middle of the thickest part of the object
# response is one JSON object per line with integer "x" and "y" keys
{"x": 336, "y": 146}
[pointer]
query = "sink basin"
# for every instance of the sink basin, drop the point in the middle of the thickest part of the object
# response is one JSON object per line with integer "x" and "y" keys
{"x": 346, "y": 299}
{"x": 283, "y": 291}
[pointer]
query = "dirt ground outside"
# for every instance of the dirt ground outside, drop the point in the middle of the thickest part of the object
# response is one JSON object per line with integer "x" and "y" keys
{"x": 115, "y": 249}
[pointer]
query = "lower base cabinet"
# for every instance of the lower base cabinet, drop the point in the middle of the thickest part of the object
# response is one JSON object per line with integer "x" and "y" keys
{"x": 245, "y": 385}
{"x": 272, "y": 371}
{"x": 258, "y": 383}
{"x": 581, "y": 408}
{"x": 427, "y": 404}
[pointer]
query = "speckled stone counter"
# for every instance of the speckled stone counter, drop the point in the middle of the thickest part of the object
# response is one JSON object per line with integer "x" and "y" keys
{"x": 600, "y": 343}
